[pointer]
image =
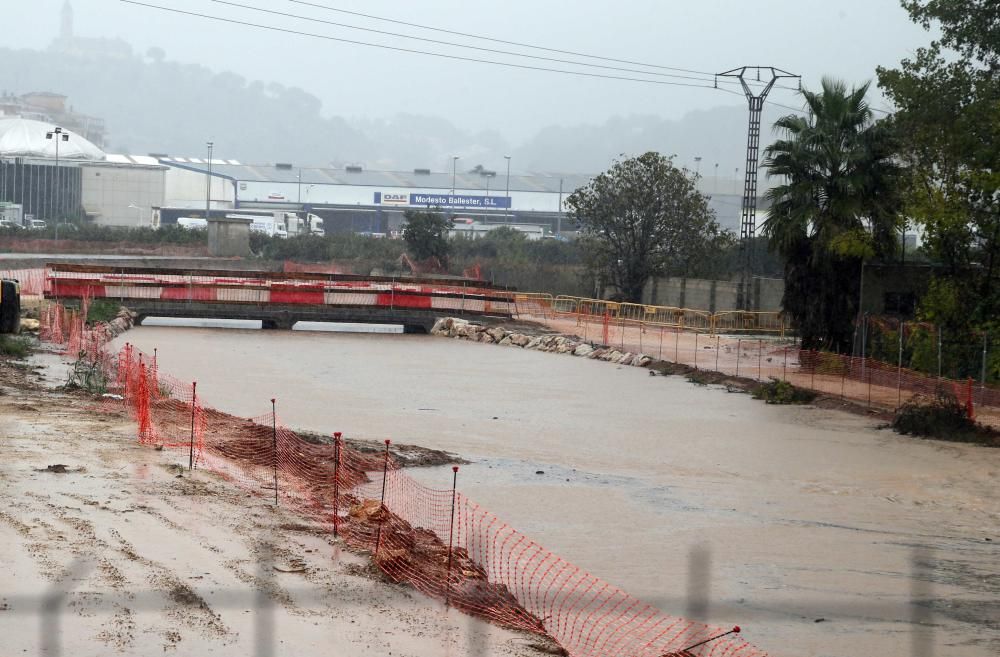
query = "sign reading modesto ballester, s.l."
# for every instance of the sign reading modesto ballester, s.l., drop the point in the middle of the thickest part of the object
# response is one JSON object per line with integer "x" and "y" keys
{"x": 444, "y": 200}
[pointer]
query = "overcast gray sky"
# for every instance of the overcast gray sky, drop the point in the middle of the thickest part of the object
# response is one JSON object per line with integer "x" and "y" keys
{"x": 843, "y": 38}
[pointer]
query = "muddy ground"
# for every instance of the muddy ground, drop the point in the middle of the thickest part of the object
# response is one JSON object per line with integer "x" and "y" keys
{"x": 108, "y": 547}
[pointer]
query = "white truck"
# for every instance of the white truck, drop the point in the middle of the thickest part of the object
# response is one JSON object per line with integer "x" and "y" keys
{"x": 281, "y": 223}
{"x": 307, "y": 225}
{"x": 266, "y": 224}
{"x": 193, "y": 223}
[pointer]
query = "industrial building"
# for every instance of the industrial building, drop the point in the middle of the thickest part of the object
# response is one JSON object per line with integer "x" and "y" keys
{"x": 69, "y": 177}
{"x": 55, "y": 174}
{"x": 356, "y": 200}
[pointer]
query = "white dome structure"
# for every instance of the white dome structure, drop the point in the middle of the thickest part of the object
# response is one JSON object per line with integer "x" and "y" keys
{"x": 27, "y": 138}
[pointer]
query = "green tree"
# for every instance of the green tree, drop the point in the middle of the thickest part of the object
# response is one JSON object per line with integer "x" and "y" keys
{"x": 426, "y": 235}
{"x": 837, "y": 204}
{"x": 642, "y": 218}
{"x": 947, "y": 99}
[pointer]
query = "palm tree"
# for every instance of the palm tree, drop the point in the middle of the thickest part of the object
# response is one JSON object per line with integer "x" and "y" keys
{"x": 837, "y": 205}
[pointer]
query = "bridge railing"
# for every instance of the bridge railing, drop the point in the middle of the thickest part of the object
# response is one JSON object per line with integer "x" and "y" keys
{"x": 267, "y": 288}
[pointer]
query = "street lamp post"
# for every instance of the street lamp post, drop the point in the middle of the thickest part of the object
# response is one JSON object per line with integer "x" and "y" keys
{"x": 697, "y": 169}
{"x": 208, "y": 183}
{"x": 138, "y": 212}
{"x": 57, "y": 135}
{"x": 506, "y": 213}
{"x": 488, "y": 174}
{"x": 454, "y": 164}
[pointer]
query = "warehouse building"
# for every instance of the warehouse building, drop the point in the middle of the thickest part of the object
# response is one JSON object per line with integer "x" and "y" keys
{"x": 76, "y": 181}
{"x": 353, "y": 199}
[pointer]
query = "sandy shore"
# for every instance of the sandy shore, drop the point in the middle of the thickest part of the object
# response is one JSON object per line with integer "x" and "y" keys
{"x": 125, "y": 553}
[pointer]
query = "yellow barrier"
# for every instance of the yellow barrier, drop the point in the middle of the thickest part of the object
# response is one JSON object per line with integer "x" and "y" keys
{"x": 533, "y": 303}
{"x": 736, "y": 321}
{"x": 688, "y": 319}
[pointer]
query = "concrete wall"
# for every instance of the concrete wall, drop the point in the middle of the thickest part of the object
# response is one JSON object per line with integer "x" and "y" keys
{"x": 895, "y": 289}
{"x": 229, "y": 237}
{"x": 186, "y": 189}
{"x": 713, "y": 296}
{"x": 109, "y": 190}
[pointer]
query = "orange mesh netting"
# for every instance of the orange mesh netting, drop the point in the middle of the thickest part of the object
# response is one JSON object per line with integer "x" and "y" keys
{"x": 438, "y": 541}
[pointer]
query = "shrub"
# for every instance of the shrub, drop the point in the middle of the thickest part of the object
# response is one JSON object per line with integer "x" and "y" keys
{"x": 942, "y": 417}
{"x": 102, "y": 310}
{"x": 14, "y": 346}
{"x": 777, "y": 391}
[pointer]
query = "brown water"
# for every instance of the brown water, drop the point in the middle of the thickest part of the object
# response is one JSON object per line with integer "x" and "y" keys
{"x": 796, "y": 514}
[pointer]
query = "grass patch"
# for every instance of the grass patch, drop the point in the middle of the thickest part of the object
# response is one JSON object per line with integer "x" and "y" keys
{"x": 776, "y": 391}
{"x": 944, "y": 418}
{"x": 88, "y": 376}
{"x": 102, "y": 310}
{"x": 14, "y": 346}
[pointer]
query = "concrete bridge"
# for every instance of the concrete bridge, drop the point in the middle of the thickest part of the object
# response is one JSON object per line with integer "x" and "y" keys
{"x": 279, "y": 300}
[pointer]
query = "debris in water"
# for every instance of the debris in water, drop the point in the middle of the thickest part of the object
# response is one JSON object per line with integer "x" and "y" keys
{"x": 539, "y": 471}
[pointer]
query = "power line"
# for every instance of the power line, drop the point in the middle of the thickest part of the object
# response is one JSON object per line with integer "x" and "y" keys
{"x": 412, "y": 50}
{"x": 495, "y": 40}
{"x": 456, "y": 45}
{"x": 708, "y": 74}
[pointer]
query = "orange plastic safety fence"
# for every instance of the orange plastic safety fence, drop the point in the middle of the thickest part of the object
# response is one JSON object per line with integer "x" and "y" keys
{"x": 462, "y": 554}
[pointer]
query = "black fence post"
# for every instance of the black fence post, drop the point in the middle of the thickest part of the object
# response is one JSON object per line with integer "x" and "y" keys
{"x": 381, "y": 508}
{"x": 336, "y": 482}
{"x": 739, "y": 348}
{"x": 194, "y": 405}
{"x": 451, "y": 535}
{"x": 274, "y": 443}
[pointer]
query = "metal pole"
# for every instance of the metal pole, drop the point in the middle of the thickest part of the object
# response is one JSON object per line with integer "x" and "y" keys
{"x": 864, "y": 342}
{"x": 640, "y": 336}
{"x": 381, "y": 508}
{"x": 760, "y": 355}
{"x": 869, "y": 386}
{"x": 717, "y": 340}
{"x": 982, "y": 374}
{"x": 939, "y": 332}
{"x": 451, "y": 535}
{"x": 454, "y": 164}
{"x": 274, "y": 444}
{"x": 194, "y": 403}
{"x": 696, "y": 349}
{"x": 677, "y": 340}
{"x": 739, "y": 347}
{"x": 661, "y": 343}
{"x": 843, "y": 376}
{"x": 861, "y": 302}
{"x": 58, "y": 131}
{"x": 208, "y": 183}
{"x": 735, "y": 630}
{"x": 336, "y": 482}
{"x": 899, "y": 369}
{"x": 784, "y": 368}
{"x": 507, "y": 213}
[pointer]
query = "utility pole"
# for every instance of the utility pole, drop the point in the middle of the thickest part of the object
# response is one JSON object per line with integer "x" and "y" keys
{"x": 208, "y": 183}
{"x": 748, "y": 220}
{"x": 506, "y": 213}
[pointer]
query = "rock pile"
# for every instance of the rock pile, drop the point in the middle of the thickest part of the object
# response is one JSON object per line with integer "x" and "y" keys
{"x": 451, "y": 327}
{"x": 122, "y": 322}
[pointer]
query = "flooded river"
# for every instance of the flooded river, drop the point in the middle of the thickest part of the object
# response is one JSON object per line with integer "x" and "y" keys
{"x": 812, "y": 529}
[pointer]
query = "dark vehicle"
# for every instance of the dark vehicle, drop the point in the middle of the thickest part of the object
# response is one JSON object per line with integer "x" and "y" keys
{"x": 10, "y": 306}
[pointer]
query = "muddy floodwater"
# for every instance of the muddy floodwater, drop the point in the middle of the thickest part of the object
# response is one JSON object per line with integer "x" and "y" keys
{"x": 814, "y": 530}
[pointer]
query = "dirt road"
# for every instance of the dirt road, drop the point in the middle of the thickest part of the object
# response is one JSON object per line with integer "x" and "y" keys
{"x": 107, "y": 547}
